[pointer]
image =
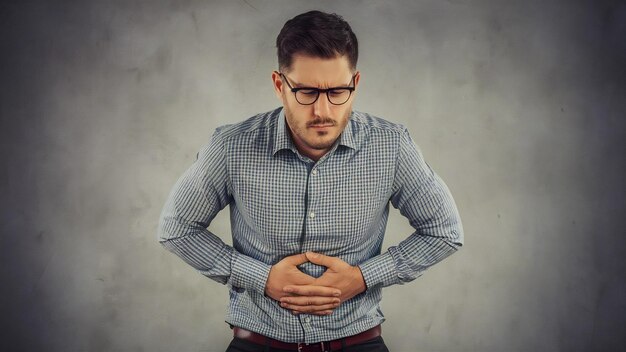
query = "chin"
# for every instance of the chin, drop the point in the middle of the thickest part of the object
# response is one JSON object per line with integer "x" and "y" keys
{"x": 322, "y": 145}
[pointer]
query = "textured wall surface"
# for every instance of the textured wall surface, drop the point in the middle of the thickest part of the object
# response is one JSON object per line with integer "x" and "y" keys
{"x": 518, "y": 105}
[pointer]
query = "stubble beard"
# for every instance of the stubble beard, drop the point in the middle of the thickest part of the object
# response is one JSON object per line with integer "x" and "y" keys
{"x": 302, "y": 132}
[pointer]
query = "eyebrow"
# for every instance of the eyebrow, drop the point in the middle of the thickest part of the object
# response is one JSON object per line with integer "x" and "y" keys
{"x": 299, "y": 85}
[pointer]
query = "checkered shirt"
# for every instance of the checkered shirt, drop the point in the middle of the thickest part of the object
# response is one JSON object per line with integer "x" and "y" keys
{"x": 283, "y": 203}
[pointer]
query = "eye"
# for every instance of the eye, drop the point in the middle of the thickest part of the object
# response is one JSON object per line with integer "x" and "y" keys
{"x": 309, "y": 92}
{"x": 337, "y": 92}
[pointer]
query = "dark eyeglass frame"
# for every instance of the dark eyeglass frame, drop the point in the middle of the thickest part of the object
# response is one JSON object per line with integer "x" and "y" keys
{"x": 318, "y": 90}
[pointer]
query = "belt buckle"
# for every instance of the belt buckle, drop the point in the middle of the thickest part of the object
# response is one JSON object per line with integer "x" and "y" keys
{"x": 302, "y": 344}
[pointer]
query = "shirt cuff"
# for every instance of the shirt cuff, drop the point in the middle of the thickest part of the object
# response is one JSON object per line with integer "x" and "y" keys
{"x": 379, "y": 270}
{"x": 249, "y": 273}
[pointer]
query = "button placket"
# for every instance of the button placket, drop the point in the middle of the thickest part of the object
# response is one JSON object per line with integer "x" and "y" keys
{"x": 312, "y": 189}
{"x": 312, "y": 202}
{"x": 312, "y": 213}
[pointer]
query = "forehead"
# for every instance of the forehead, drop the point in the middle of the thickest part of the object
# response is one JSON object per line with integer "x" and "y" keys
{"x": 319, "y": 72}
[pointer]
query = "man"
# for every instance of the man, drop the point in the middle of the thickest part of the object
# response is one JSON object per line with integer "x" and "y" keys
{"x": 309, "y": 187}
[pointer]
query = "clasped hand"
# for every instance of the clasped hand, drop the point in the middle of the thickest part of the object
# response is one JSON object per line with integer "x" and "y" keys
{"x": 302, "y": 293}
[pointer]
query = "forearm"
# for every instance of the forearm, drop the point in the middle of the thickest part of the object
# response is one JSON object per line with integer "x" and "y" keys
{"x": 408, "y": 260}
{"x": 198, "y": 247}
{"x": 208, "y": 254}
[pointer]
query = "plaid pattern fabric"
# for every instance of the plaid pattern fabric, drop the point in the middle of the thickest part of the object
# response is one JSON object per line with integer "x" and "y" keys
{"x": 283, "y": 203}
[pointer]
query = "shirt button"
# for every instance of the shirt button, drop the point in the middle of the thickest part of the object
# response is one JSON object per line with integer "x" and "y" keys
{"x": 314, "y": 172}
{"x": 311, "y": 215}
{"x": 307, "y": 319}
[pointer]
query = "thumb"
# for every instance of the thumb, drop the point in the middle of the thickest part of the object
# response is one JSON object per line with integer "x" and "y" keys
{"x": 296, "y": 259}
{"x": 320, "y": 259}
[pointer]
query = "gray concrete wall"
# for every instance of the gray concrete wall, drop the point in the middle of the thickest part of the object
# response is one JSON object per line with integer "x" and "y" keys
{"x": 518, "y": 105}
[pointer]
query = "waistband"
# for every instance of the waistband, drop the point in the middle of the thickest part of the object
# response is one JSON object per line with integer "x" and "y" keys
{"x": 302, "y": 347}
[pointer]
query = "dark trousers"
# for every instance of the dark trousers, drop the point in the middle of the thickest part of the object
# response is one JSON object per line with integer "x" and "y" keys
{"x": 374, "y": 345}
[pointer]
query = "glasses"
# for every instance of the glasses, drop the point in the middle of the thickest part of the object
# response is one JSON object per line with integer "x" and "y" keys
{"x": 309, "y": 95}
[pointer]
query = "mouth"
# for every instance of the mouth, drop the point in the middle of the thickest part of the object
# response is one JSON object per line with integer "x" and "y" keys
{"x": 321, "y": 127}
{"x": 321, "y": 124}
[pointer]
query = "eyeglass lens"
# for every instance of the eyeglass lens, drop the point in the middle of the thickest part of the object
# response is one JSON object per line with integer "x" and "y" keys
{"x": 335, "y": 96}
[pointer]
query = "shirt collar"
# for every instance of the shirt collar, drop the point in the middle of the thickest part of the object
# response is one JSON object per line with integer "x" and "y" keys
{"x": 282, "y": 139}
{"x": 349, "y": 137}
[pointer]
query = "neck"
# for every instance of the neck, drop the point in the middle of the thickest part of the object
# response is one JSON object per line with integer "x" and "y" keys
{"x": 314, "y": 154}
{"x": 311, "y": 153}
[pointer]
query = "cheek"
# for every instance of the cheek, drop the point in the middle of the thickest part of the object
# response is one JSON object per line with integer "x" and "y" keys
{"x": 345, "y": 114}
{"x": 299, "y": 114}
{"x": 296, "y": 118}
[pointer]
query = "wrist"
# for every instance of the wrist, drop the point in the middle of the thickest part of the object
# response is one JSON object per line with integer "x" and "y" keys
{"x": 249, "y": 273}
{"x": 359, "y": 276}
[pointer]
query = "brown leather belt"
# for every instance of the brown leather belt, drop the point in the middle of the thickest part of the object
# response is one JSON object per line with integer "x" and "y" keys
{"x": 302, "y": 347}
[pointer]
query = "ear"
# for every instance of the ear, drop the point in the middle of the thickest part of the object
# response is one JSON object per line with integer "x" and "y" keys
{"x": 357, "y": 78}
{"x": 278, "y": 85}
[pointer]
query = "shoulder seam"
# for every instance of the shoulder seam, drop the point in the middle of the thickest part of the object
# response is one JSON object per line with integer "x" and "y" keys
{"x": 231, "y": 129}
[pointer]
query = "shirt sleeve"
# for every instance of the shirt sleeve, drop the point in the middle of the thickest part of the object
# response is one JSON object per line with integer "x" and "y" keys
{"x": 423, "y": 198}
{"x": 199, "y": 194}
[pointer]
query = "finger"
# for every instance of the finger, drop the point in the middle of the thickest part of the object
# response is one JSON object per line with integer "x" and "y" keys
{"x": 296, "y": 277}
{"x": 309, "y": 301}
{"x": 323, "y": 260}
{"x": 312, "y": 290}
{"x": 296, "y": 259}
{"x": 322, "y": 313}
{"x": 309, "y": 309}
{"x": 325, "y": 312}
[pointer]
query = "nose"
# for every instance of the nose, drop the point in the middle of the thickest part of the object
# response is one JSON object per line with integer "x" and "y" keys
{"x": 321, "y": 107}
